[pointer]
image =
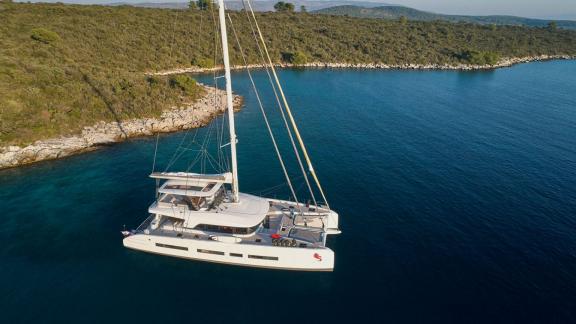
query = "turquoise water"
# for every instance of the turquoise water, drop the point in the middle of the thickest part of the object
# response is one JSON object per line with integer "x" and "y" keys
{"x": 456, "y": 190}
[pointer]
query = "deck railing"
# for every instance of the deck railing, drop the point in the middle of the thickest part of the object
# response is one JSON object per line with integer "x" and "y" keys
{"x": 145, "y": 224}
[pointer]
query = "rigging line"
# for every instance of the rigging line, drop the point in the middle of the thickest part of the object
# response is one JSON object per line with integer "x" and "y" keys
{"x": 293, "y": 122}
{"x": 272, "y": 188}
{"x": 193, "y": 162}
{"x": 212, "y": 158}
{"x": 201, "y": 24}
{"x": 264, "y": 114}
{"x": 204, "y": 146}
{"x": 203, "y": 165}
{"x": 291, "y": 137}
{"x": 166, "y": 95}
{"x": 173, "y": 35}
{"x": 155, "y": 151}
{"x": 296, "y": 152}
{"x": 221, "y": 137}
{"x": 177, "y": 152}
{"x": 208, "y": 136}
{"x": 216, "y": 166}
{"x": 180, "y": 150}
{"x": 217, "y": 102}
{"x": 183, "y": 149}
{"x": 215, "y": 97}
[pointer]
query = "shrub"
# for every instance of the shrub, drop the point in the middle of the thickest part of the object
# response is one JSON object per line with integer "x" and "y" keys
{"x": 44, "y": 35}
{"x": 480, "y": 57}
{"x": 152, "y": 80}
{"x": 284, "y": 6}
{"x": 205, "y": 4}
{"x": 297, "y": 58}
{"x": 92, "y": 57}
{"x": 491, "y": 58}
{"x": 185, "y": 83}
{"x": 203, "y": 63}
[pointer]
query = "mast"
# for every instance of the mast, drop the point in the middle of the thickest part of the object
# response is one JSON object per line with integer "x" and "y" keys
{"x": 229, "y": 102}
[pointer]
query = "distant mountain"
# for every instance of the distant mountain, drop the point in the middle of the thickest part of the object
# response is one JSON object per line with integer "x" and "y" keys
{"x": 262, "y": 5}
{"x": 311, "y": 5}
{"x": 395, "y": 12}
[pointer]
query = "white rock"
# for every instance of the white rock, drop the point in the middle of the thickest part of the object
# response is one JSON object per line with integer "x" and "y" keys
{"x": 105, "y": 133}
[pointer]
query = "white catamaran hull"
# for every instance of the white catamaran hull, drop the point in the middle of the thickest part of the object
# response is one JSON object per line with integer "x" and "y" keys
{"x": 251, "y": 255}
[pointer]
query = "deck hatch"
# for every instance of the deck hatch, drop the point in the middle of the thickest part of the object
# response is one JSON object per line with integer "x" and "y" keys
{"x": 183, "y": 248}
{"x": 261, "y": 257}
{"x": 209, "y": 252}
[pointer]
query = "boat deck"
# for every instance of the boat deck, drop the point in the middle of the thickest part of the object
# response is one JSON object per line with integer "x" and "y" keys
{"x": 302, "y": 227}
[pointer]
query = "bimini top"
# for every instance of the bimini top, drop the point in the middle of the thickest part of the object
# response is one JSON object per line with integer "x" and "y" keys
{"x": 247, "y": 212}
{"x": 191, "y": 188}
{"x": 222, "y": 178}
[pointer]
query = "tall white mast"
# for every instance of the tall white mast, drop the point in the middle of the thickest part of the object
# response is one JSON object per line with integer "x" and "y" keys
{"x": 229, "y": 102}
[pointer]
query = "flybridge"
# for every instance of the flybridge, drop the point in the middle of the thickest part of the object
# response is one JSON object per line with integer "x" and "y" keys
{"x": 225, "y": 177}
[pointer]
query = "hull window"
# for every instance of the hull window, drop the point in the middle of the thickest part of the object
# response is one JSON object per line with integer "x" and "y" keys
{"x": 175, "y": 247}
{"x": 210, "y": 252}
{"x": 236, "y": 255}
{"x": 263, "y": 257}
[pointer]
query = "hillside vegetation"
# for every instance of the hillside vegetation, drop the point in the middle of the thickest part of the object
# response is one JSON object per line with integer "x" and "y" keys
{"x": 66, "y": 66}
{"x": 395, "y": 12}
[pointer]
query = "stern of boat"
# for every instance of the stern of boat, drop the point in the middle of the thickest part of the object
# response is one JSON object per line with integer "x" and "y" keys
{"x": 332, "y": 223}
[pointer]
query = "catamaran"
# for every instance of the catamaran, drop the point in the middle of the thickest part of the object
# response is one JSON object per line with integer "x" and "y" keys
{"x": 201, "y": 216}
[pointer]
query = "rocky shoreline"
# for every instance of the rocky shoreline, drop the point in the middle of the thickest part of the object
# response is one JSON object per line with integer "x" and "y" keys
{"x": 197, "y": 114}
{"x": 506, "y": 62}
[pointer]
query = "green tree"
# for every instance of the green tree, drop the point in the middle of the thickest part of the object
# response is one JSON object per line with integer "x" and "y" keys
{"x": 403, "y": 20}
{"x": 303, "y": 9}
{"x": 186, "y": 84}
{"x": 491, "y": 58}
{"x": 296, "y": 58}
{"x": 552, "y": 25}
{"x": 284, "y": 6}
{"x": 480, "y": 57}
{"x": 205, "y": 4}
{"x": 205, "y": 63}
{"x": 192, "y": 5}
{"x": 43, "y": 95}
{"x": 44, "y": 35}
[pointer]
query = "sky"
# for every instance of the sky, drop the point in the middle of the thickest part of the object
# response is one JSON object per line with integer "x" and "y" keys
{"x": 544, "y": 9}
{"x": 553, "y": 9}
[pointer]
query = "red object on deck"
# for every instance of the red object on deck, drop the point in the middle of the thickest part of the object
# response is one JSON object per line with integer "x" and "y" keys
{"x": 275, "y": 236}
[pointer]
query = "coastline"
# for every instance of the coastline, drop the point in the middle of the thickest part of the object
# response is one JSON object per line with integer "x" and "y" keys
{"x": 505, "y": 62}
{"x": 196, "y": 114}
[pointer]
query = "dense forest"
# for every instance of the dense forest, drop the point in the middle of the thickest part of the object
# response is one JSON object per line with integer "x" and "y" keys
{"x": 66, "y": 66}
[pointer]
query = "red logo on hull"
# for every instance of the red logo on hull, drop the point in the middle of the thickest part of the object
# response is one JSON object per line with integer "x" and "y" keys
{"x": 317, "y": 257}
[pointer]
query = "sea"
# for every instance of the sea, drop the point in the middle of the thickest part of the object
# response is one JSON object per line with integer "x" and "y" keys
{"x": 456, "y": 193}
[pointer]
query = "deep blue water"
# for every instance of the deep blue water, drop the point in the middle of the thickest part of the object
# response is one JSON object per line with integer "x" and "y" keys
{"x": 456, "y": 190}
